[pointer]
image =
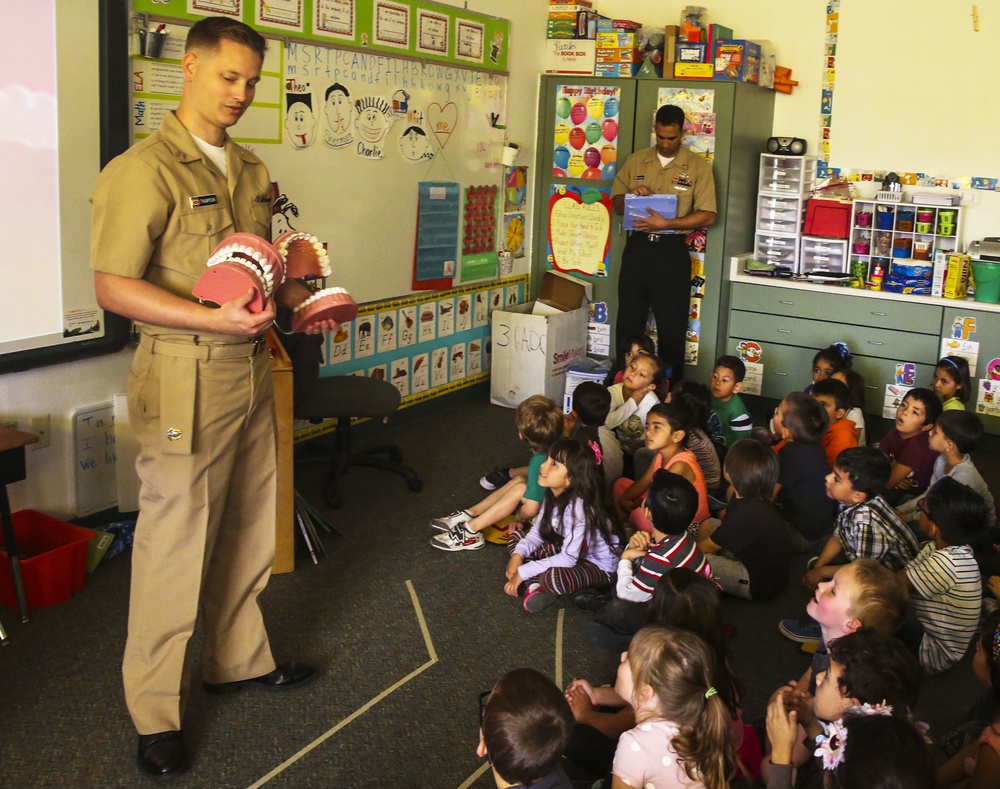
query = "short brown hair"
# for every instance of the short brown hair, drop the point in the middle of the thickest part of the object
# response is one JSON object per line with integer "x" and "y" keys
{"x": 880, "y": 601}
{"x": 209, "y": 32}
{"x": 540, "y": 422}
{"x": 805, "y": 418}
{"x": 752, "y": 468}
{"x": 526, "y": 726}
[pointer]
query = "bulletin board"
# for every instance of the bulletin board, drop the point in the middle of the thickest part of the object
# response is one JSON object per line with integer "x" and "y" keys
{"x": 350, "y": 136}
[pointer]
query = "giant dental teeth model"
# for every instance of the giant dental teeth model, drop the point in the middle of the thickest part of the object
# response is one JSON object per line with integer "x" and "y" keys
{"x": 242, "y": 261}
{"x": 305, "y": 258}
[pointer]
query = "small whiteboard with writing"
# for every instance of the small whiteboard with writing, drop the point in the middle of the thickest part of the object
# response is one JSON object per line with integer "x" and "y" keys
{"x": 94, "y": 458}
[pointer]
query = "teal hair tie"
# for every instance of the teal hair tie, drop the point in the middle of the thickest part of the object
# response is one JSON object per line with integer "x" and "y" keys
{"x": 711, "y": 692}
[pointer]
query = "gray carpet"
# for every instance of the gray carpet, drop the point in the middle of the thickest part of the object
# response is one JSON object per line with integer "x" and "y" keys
{"x": 62, "y": 713}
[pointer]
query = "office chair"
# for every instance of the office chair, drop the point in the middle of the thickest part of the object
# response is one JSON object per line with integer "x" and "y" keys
{"x": 342, "y": 397}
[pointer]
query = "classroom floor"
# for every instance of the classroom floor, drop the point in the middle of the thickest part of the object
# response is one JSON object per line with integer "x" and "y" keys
{"x": 406, "y": 637}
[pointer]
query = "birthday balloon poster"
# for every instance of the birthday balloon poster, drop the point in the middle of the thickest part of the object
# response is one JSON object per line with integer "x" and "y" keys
{"x": 586, "y": 132}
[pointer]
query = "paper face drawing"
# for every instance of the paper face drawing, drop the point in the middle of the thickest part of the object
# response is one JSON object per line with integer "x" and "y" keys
{"x": 300, "y": 120}
{"x": 414, "y": 145}
{"x": 338, "y": 111}
{"x": 375, "y": 116}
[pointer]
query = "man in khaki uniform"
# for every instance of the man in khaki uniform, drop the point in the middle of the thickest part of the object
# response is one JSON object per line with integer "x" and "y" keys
{"x": 200, "y": 394}
{"x": 656, "y": 267}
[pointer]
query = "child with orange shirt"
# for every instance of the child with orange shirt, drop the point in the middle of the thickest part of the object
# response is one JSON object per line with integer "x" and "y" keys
{"x": 666, "y": 435}
{"x": 842, "y": 433}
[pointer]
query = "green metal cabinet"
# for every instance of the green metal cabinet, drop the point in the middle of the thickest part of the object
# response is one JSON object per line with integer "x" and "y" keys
{"x": 743, "y": 121}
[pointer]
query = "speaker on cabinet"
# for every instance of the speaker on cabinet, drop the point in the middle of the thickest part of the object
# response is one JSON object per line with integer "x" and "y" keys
{"x": 786, "y": 145}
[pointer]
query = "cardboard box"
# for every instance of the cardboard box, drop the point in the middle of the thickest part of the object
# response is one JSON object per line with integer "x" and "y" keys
{"x": 956, "y": 278}
{"x": 737, "y": 61}
{"x": 570, "y": 56}
{"x": 605, "y": 25}
{"x": 616, "y": 69}
{"x": 618, "y": 56}
{"x": 617, "y": 40}
{"x": 691, "y": 53}
{"x": 670, "y": 34}
{"x": 553, "y": 4}
{"x": 576, "y": 24}
{"x": 694, "y": 71}
{"x": 535, "y": 343}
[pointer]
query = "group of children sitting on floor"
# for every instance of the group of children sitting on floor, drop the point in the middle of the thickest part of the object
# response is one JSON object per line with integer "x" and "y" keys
{"x": 625, "y": 506}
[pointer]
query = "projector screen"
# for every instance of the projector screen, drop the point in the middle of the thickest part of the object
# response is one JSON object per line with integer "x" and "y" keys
{"x": 55, "y": 112}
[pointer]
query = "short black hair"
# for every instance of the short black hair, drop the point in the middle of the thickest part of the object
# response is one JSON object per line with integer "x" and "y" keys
{"x": 959, "y": 513}
{"x": 805, "y": 418}
{"x": 930, "y": 401}
{"x": 752, "y": 468}
{"x": 298, "y": 98}
{"x": 670, "y": 115}
{"x": 962, "y": 428}
{"x": 672, "y": 501}
{"x": 867, "y": 469}
{"x": 877, "y": 668}
{"x": 831, "y": 387}
{"x": 592, "y": 403}
{"x": 696, "y": 398}
{"x": 883, "y": 752}
{"x": 208, "y": 33}
{"x": 333, "y": 89}
{"x": 837, "y": 355}
{"x": 644, "y": 341}
{"x": 734, "y": 364}
{"x": 526, "y": 726}
{"x": 957, "y": 369}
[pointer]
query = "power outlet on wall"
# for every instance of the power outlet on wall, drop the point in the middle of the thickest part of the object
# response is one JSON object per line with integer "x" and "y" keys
{"x": 40, "y": 426}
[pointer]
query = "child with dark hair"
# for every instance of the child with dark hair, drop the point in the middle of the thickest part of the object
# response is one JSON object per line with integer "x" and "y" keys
{"x": 907, "y": 444}
{"x": 634, "y": 345}
{"x": 751, "y": 550}
{"x": 669, "y": 507}
{"x": 951, "y": 383}
{"x": 953, "y": 437}
{"x": 585, "y": 423}
{"x": 631, "y": 400}
{"x": 729, "y": 419}
{"x": 855, "y": 383}
{"x": 666, "y": 435}
{"x": 801, "y": 421}
{"x": 828, "y": 361}
{"x": 865, "y": 667}
{"x": 539, "y": 423}
{"x": 575, "y": 540}
{"x": 869, "y": 748}
{"x": 978, "y": 763}
{"x": 524, "y": 727}
{"x": 841, "y": 433}
{"x": 697, "y": 399}
{"x": 866, "y": 526}
{"x": 945, "y": 588}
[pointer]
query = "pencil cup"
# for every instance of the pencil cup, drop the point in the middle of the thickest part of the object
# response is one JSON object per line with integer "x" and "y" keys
{"x": 151, "y": 43}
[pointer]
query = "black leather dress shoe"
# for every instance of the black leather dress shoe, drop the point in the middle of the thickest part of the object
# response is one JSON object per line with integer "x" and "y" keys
{"x": 162, "y": 755}
{"x": 590, "y": 600}
{"x": 287, "y": 676}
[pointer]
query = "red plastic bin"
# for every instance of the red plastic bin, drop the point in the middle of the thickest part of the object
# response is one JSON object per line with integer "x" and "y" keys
{"x": 53, "y": 560}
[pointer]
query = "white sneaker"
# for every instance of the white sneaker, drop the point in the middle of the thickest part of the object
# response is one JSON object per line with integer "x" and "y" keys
{"x": 458, "y": 538}
{"x": 448, "y": 521}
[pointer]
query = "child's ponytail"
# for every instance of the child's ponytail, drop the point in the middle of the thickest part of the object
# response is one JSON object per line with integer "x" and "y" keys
{"x": 679, "y": 667}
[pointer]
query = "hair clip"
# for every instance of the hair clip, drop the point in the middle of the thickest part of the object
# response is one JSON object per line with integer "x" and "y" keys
{"x": 596, "y": 447}
{"x": 844, "y": 351}
{"x": 830, "y": 745}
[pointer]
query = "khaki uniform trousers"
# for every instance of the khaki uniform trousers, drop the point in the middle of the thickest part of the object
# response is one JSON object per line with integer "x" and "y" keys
{"x": 206, "y": 521}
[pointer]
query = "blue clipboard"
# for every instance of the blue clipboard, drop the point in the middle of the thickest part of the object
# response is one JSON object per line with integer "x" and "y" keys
{"x": 636, "y": 205}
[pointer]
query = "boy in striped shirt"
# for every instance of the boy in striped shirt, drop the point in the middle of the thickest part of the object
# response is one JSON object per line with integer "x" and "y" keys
{"x": 670, "y": 506}
{"x": 945, "y": 586}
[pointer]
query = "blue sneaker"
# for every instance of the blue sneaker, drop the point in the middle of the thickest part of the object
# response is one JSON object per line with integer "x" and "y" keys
{"x": 800, "y": 630}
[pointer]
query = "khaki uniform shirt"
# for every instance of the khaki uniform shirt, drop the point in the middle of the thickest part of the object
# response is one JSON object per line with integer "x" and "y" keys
{"x": 161, "y": 208}
{"x": 689, "y": 176}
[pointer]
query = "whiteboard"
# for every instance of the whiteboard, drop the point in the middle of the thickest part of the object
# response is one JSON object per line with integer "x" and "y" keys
{"x": 913, "y": 91}
{"x": 348, "y": 137}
